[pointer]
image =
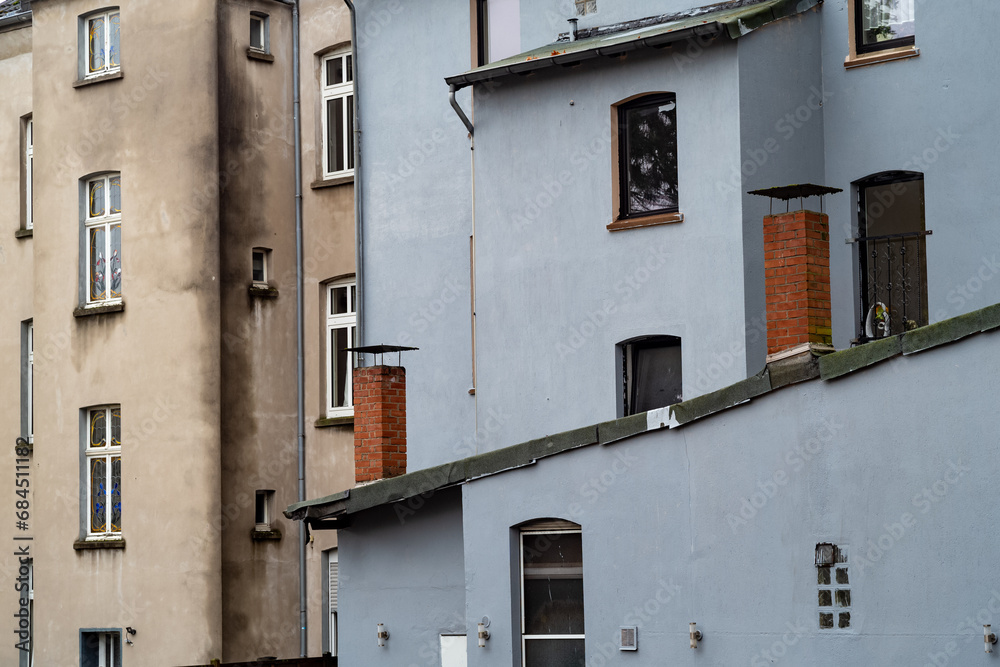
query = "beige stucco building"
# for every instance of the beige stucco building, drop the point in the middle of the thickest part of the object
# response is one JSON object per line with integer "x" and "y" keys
{"x": 148, "y": 340}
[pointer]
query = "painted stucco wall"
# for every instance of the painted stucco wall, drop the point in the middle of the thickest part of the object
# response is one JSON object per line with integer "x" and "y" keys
{"x": 404, "y": 570}
{"x": 556, "y": 291}
{"x": 781, "y": 139}
{"x": 930, "y": 114}
{"x": 16, "y": 268}
{"x": 158, "y": 359}
{"x": 717, "y": 522}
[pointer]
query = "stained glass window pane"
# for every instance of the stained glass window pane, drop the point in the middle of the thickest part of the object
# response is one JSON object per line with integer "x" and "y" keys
{"x": 98, "y": 495}
{"x": 114, "y": 55}
{"x": 116, "y": 427}
{"x": 884, "y": 20}
{"x": 97, "y": 264}
{"x": 115, "y": 192}
{"x": 116, "y": 494}
{"x": 98, "y": 429}
{"x": 97, "y": 28}
{"x": 115, "y": 262}
{"x": 96, "y": 199}
{"x": 651, "y": 146}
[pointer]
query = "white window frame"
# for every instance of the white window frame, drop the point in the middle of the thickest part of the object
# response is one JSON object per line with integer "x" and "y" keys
{"x": 107, "y": 221}
{"x": 265, "y": 254}
{"x": 107, "y": 68}
{"x": 31, "y": 382}
{"x": 341, "y": 93}
{"x": 29, "y": 162}
{"x": 108, "y": 453}
{"x": 264, "y": 32}
{"x": 263, "y": 500}
{"x": 520, "y": 558}
{"x": 347, "y": 321}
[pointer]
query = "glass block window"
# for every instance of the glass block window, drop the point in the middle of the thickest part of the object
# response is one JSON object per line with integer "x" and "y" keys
{"x": 884, "y": 24}
{"x": 584, "y": 7}
{"x": 103, "y": 43}
{"x": 341, "y": 333}
{"x": 337, "y": 75}
{"x": 833, "y": 588}
{"x": 104, "y": 472}
{"x": 104, "y": 239}
{"x": 552, "y": 618}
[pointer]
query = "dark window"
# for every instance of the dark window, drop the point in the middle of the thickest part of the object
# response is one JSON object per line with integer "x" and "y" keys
{"x": 482, "y": 33}
{"x": 100, "y": 648}
{"x": 651, "y": 368}
{"x": 892, "y": 254}
{"x": 883, "y": 24}
{"x": 552, "y": 622}
{"x": 647, "y": 156}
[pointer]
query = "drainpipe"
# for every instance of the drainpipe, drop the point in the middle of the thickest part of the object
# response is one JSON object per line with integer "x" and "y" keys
{"x": 299, "y": 323}
{"x": 359, "y": 230}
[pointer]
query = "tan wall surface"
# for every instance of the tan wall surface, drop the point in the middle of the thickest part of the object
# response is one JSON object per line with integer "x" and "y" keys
{"x": 158, "y": 359}
{"x": 15, "y": 273}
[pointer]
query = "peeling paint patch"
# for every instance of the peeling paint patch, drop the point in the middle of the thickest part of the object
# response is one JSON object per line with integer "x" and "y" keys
{"x": 661, "y": 418}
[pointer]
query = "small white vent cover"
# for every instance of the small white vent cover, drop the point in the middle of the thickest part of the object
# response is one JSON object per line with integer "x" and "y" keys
{"x": 629, "y": 640}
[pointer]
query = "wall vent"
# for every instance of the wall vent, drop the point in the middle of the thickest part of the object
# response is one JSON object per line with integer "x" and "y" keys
{"x": 629, "y": 639}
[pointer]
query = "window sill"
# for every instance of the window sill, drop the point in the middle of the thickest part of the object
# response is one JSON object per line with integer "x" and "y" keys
{"x": 263, "y": 292}
{"x": 877, "y": 57}
{"x": 86, "y": 545}
{"x": 647, "y": 221}
{"x": 325, "y": 422}
{"x": 332, "y": 182}
{"x": 87, "y": 311}
{"x": 262, "y": 56}
{"x": 272, "y": 535}
{"x": 110, "y": 76}
{"x": 24, "y": 233}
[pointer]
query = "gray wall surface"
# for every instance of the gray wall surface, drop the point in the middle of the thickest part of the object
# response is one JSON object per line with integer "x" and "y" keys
{"x": 404, "y": 569}
{"x": 717, "y": 523}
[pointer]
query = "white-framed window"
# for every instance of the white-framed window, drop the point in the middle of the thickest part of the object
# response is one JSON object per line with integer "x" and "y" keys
{"x": 100, "y": 648}
{"x": 103, "y": 34}
{"x": 260, "y": 266}
{"x": 260, "y": 32}
{"x": 552, "y": 618}
{"x": 104, "y": 239}
{"x": 29, "y": 163}
{"x": 337, "y": 74}
{"x": 341, "y": 333}
{"x": 263, "y": 509}
{"x": 104, "y": 472}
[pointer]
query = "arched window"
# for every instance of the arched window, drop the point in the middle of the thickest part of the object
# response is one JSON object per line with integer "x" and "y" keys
{"x": 552, "y": 618}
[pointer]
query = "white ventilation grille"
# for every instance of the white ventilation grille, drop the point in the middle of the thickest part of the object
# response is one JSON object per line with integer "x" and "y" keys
{"x": 628, "y": 641}
{"x": 334, "y": 575}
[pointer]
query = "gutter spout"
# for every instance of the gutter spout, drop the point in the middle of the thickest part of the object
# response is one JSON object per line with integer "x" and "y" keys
{"x": 452, "y": 89}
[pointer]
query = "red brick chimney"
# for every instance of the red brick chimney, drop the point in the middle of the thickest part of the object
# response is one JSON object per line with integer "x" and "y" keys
{"x": 379, "y": 422}
{"x": 797, "y": 281}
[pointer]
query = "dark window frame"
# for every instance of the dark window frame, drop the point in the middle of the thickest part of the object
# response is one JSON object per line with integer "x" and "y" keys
{"x": 859, "y": 40}
{"x": 630, "y": 347}
{"x": 482, "y": 33}
{"x": 624, "y": 183}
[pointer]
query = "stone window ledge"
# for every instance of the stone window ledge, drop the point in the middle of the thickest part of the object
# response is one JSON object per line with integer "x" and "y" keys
{"x": 881, "y": 57}
{"x": 87, "y": 311}
{"x": 85, "y": 545}
{"x": 647, "y": 221}
{"x": 265, "y": 535}
{"x": 112, "y": 76}
{"x": 263, "y": 292}
{"x": 254, "y": 54}
{"x": 331, "y": 182}
{"x": 326, "y": 422}
{"x": 24, "y": 233}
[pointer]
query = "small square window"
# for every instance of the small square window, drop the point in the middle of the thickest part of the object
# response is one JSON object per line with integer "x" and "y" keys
{"x": 260, "y": 32}
{"x": 260, "y": 266}
{"x": 264, "y": 509}
{"x": 100, "y": 648}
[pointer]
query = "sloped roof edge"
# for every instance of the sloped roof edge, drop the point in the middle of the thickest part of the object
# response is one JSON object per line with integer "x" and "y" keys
{"x": 775, "y": 376}
{"x": 734, "y": 18}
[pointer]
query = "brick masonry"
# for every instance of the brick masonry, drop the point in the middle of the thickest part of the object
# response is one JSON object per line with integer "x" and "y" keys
{"x": 797, "y": 279}
{"x": 379, "y": 422}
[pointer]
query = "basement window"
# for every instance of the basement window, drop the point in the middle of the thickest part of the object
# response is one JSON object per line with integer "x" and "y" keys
{"x": 833, "y": 587}
{"x": 651, "y": 373}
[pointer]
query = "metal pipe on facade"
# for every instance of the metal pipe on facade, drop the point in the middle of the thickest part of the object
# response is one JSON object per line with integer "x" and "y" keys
{"x": 359, "y": 236}
{"x": 300, "y": 365}
{"x": 452, "y": 89}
